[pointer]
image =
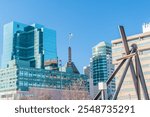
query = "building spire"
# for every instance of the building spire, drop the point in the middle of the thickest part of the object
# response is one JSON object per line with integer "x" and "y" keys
{"x": 69, "y": 49}
{"x": 70, "y": 35}
{"x": 71, "y": 68}
{"x": 69, "y": 55}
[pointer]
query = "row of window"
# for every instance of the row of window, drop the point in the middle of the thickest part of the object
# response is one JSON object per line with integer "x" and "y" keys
{"x": 132, "y": 41}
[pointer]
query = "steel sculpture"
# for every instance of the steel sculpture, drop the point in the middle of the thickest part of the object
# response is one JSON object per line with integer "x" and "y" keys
{"x": 136, "y": 71}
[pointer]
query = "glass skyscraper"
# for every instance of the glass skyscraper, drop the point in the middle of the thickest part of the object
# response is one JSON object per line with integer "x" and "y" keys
{"x": 49, "y": 42}
{"x": 8, "y": 34}
{"x": 30, "y": 43}
{"x": 102, "y": 67}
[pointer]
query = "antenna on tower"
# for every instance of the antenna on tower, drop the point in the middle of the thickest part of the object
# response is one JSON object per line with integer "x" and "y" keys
{"x": 69, "y": 49}
{"x": 70, "y": 35}
{"x": 70, "y": 65}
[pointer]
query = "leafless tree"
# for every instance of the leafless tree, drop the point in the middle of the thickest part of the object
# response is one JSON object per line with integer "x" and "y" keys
{"x": 77, "y": 91}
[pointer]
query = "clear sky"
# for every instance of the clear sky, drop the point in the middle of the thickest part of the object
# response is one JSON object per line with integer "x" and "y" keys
{"x": 91, "y": 21}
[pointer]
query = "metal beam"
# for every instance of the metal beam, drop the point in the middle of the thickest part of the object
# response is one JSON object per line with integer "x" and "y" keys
{"x": 111, "y": 77}
{"x": 137, "y": 75}
{"x": 124, "y": 41}
{"x": 121, "y": 80}
{"x": 97, "y": 96}
{"x": 143, "y": 84}
{"x": 126, "y": 57}
{"x": 115, "y": 72}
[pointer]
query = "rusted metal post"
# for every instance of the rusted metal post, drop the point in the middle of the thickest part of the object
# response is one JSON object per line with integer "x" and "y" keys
{"x": 115, "y": 72}
{"x": 137, "y": 74}
{"x": 143, "y": 84}
{"x": 124, "y": 41}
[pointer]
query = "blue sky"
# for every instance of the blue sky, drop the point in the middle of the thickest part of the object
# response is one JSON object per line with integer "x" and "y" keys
{"x": 91, "y": 21}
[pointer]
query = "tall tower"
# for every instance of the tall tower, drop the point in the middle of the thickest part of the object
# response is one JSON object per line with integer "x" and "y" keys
{"x": 102, "y": 66}
{"x": 28, "y": 46}
{"x": 28, "y": 43}
{"x": 69, "y": 56}
{"x": 9, "y": 30}
{"x": 70, "y": 65}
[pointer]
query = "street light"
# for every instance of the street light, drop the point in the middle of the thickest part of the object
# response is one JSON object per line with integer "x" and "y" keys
{"x": 60, "y": 64}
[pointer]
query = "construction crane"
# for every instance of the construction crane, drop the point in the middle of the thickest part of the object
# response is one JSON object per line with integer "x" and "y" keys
{"x": 136, "y": 71}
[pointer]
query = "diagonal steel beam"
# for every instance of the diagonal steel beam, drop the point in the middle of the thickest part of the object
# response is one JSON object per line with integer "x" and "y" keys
{"x": 143, "y": 84}
{"x": 137, "y": 74}
{"x": 124, "y": 41}
{"x": 115, "y": 72}
{"x": 111, "y": 77}
{"x": 97, "y": 96}
{"x": 122, "y": 79}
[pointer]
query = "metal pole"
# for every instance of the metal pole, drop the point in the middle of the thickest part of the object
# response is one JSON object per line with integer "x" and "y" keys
{"x": 124, "y": 41}
{"x": 60, "y": 73}
{"x": 137, "y": 75}
{"x": 146, "y": 95}
{"x": 121, "y": 80}
{"x": 115, "y": 72}
{"x": 70, "y": 35}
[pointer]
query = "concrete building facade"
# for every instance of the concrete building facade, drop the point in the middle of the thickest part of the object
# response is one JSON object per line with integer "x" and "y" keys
{"x": 21, "y": 79}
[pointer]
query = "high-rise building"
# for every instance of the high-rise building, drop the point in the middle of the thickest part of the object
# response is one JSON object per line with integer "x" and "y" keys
{"x": 102, "y": 67}
{"x": 30, "y": 43}
{"x": 49, "y": 42}
{"x": 143, "y": 42}
{"x": 87, "y": 71}
{"x": 8, "y": 33}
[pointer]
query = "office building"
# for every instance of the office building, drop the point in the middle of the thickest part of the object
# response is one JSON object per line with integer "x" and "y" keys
{"x": 143, "y": 42}
{"x": 88, "y": 72}
{"x": 16, "y": 81}
{"x": 31, "y": 43}
{"x": 101, "y": 65}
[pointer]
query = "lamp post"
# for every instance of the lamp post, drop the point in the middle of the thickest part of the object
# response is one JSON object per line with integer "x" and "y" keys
{"x": 60, "y": 64}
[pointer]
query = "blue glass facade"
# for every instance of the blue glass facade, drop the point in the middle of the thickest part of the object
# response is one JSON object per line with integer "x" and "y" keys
{"x": 49, "y": 42}
{"x": 33, "y": 43}
{"x": 14, "y": 79}
{"x": 102, "y": 66}
{"x": 8, "y": 34}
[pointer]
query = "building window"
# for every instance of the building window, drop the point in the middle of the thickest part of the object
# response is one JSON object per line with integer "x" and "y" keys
{"x": 18, "y": 26}
{"x": 140, "y": 52}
